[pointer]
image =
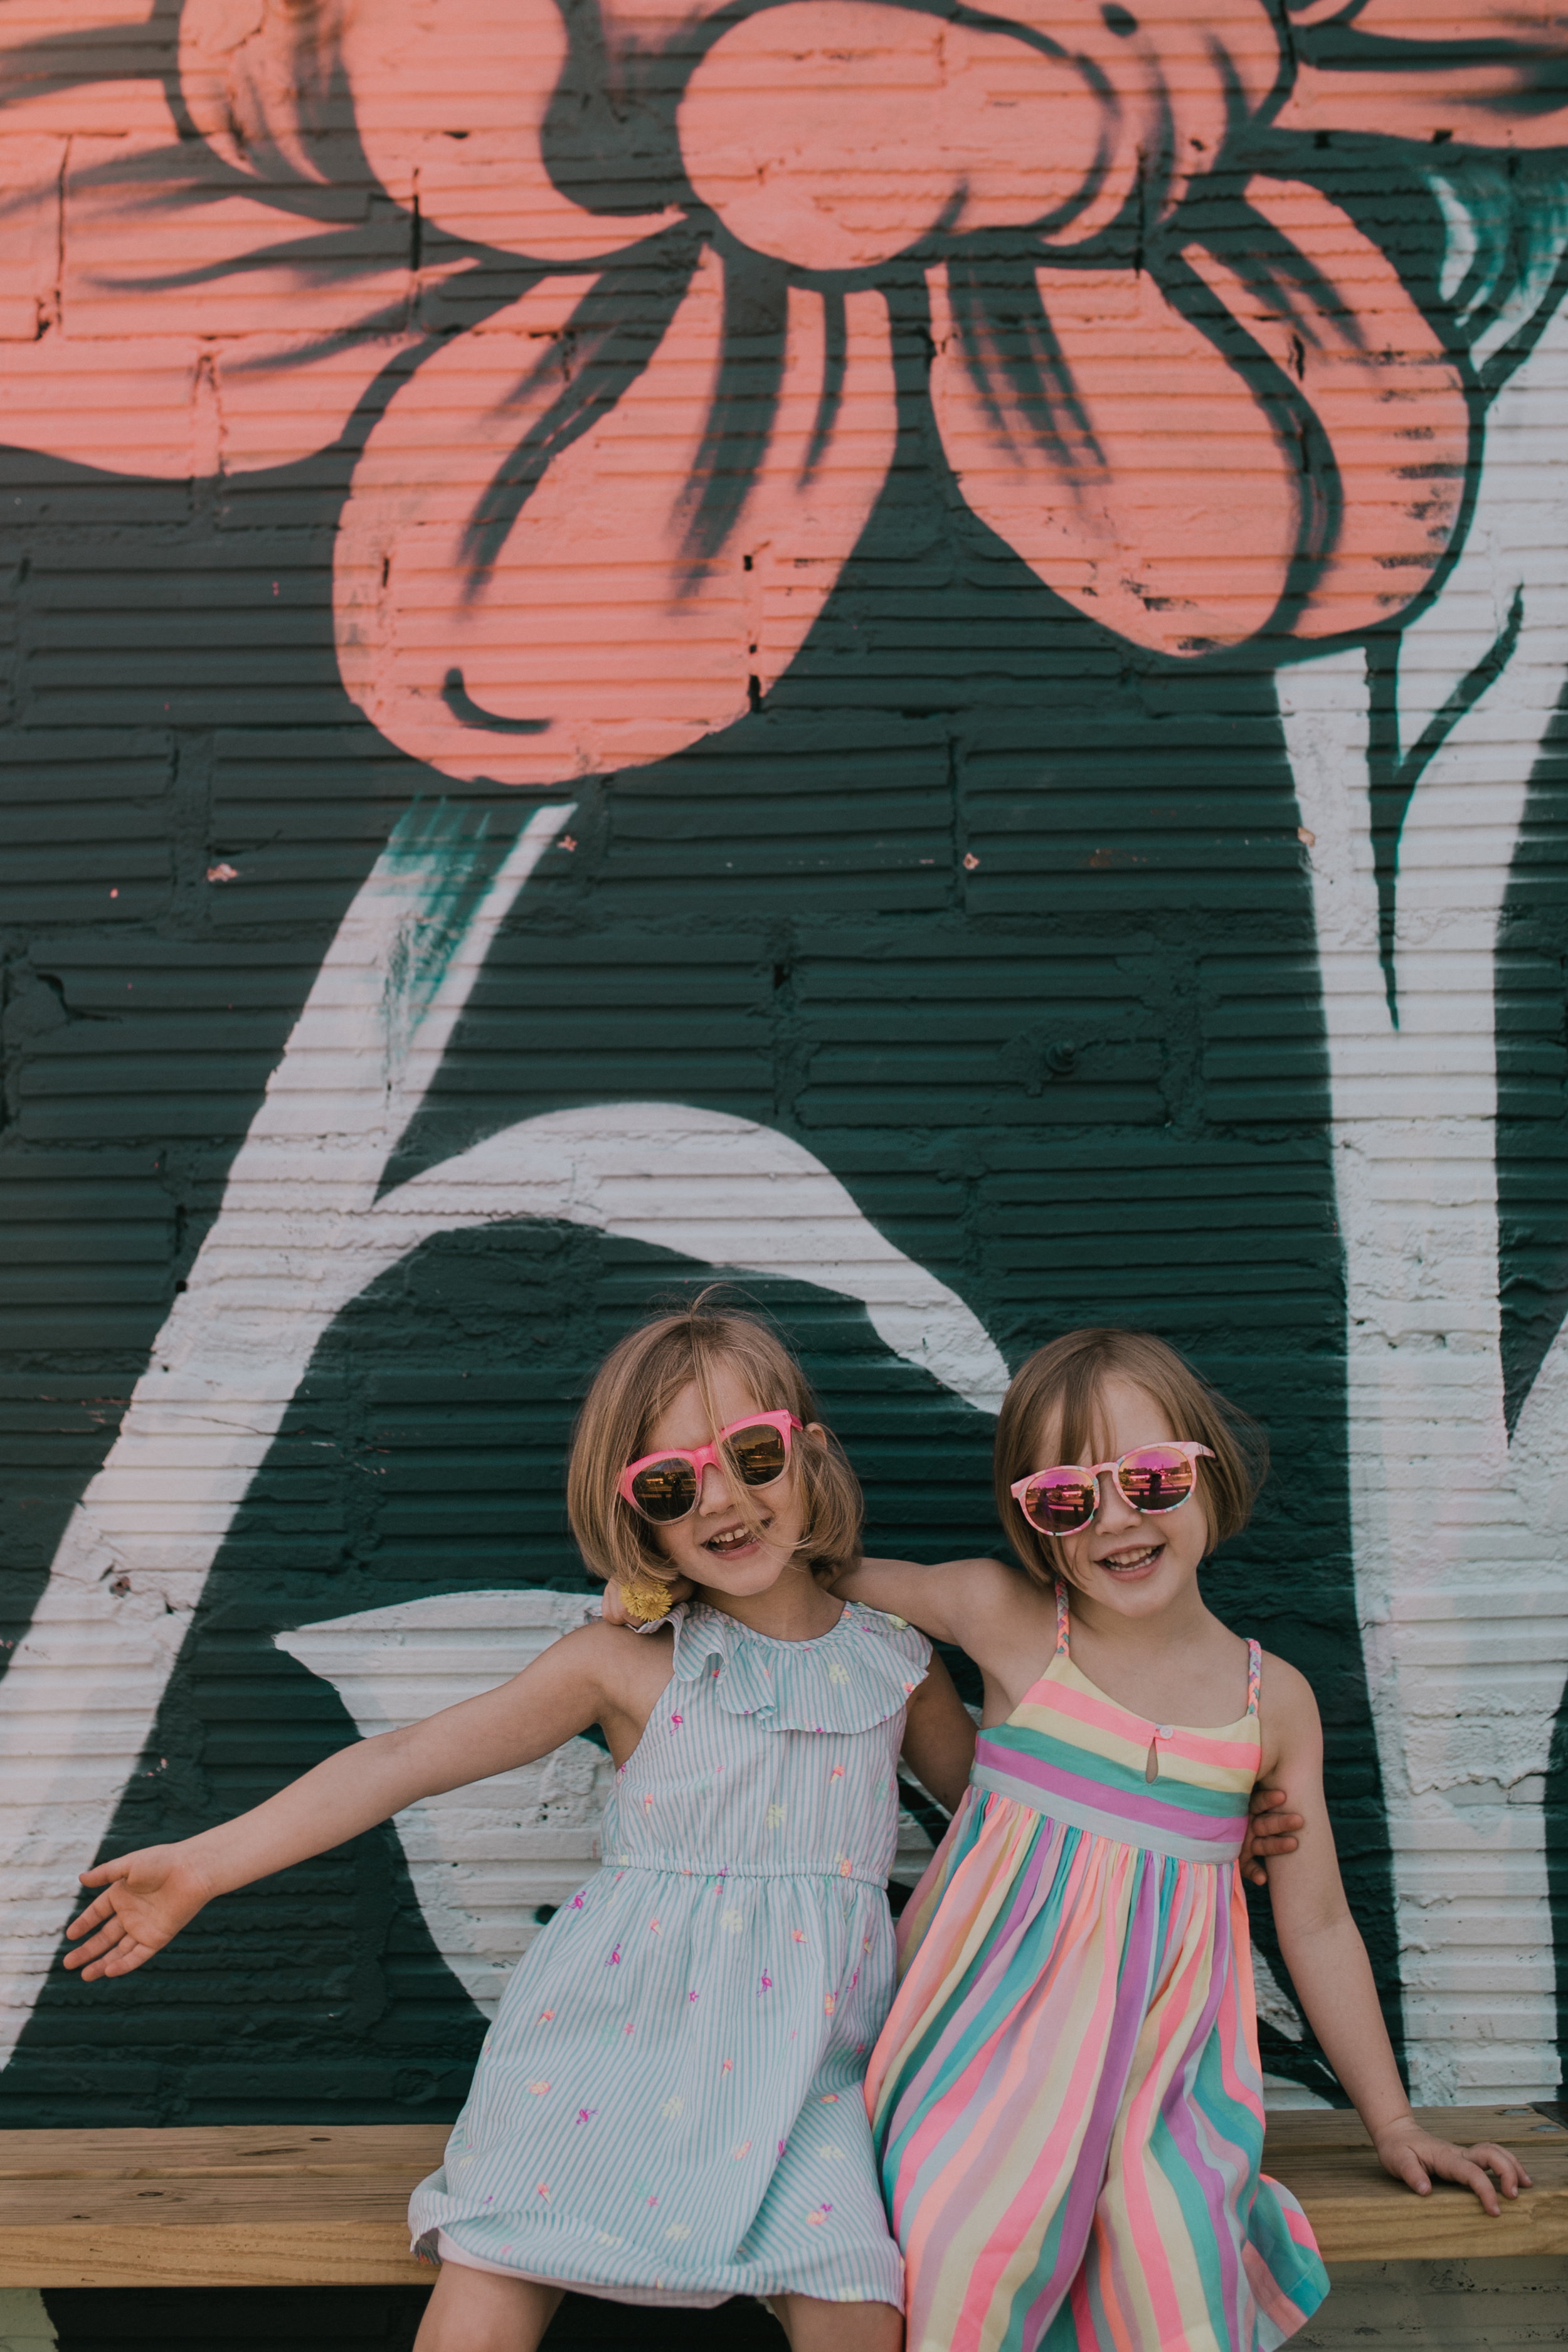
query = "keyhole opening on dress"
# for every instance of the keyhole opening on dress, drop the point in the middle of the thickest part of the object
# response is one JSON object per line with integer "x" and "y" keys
{"x": 1152, "y": 1769}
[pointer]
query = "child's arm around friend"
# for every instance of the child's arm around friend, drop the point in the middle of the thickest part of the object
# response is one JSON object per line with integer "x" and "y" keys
{"x": 602, "y": 1673}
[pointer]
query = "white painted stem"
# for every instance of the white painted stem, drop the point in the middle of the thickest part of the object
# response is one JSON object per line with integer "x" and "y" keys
{"x": 1458, "y": 1549}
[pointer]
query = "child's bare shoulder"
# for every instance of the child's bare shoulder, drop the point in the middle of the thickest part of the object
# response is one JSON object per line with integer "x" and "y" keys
{"x": 613, "y": 1659}
{"x": 1285, "y": 1695}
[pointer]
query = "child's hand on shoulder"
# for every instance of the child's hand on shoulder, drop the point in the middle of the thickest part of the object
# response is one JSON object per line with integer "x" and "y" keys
{"x": 620, "y": 1608}
{"x": 1417, "y": 2157}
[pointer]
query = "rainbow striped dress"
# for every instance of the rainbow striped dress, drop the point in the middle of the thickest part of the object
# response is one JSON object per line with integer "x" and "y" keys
{"x": 1066, "y": 2098}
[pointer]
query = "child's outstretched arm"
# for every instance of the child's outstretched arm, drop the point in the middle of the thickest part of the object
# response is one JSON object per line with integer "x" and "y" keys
{"x": 1329, "y": 1967}
{"x": 148, "y": 1896}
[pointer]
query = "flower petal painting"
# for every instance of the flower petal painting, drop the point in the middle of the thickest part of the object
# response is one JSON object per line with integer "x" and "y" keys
{"x": 911, "y": 655}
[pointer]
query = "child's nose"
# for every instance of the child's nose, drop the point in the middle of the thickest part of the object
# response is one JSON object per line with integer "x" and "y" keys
{"x": 1113, "y": 1512}
{"x": 714, "y": 1495}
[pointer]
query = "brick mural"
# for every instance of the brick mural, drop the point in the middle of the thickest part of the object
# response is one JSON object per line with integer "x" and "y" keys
{"x": 911, "y": 656}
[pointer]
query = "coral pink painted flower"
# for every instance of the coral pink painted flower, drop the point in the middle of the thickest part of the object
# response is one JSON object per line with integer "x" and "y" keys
{"x": 620, "y": 320}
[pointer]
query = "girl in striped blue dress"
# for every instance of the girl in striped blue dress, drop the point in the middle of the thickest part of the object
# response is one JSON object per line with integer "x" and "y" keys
{"x": 668, "y": 2108}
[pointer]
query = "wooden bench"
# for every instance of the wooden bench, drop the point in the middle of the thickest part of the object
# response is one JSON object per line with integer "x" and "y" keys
{"x": 323, "y": 2204}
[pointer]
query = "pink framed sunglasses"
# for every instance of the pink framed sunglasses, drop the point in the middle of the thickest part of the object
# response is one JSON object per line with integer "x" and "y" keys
{"x": 1152, "y": 1478}
{"x": 665, "y": 1486}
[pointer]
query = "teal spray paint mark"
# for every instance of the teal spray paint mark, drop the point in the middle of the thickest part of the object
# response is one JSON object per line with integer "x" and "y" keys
{"x": 443, "y": 854}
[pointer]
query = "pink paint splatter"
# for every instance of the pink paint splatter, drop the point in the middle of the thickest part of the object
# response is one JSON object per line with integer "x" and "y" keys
{"x": 767, "y": 1983}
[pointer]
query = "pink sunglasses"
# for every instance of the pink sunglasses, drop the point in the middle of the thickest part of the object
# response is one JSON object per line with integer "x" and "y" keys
{"x": 665, "y": 1486}
{"x": 1152, "y": 1478}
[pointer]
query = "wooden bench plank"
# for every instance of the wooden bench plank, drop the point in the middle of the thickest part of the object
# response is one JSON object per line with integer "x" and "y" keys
{"x": 250, "y": 2151}
{"x": 244, "y": 2253}
{"x": 322, "y": 2205}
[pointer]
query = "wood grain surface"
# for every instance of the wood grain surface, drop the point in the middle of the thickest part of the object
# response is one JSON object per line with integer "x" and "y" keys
{"x": 316, "y": 2205}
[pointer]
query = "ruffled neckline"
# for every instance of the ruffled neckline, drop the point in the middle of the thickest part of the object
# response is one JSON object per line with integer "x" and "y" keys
{"x": 854, "y": 1676}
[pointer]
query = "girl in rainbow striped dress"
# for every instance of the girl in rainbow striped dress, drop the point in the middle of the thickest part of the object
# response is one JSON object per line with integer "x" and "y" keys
{"x": 1066, "y": 2096}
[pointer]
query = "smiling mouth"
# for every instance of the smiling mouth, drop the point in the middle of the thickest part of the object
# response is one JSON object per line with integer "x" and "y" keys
{"x": 734, "y": 1539}
{"x": 1127, "y": 1563}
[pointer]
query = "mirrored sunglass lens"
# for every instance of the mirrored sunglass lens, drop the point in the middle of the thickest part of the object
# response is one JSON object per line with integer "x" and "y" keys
{"x": 1157, "y": 1478}
{"x": 1058, "y": 1505}
{"x": 665, "y": 1490}
{"x": 759, "y": 1454}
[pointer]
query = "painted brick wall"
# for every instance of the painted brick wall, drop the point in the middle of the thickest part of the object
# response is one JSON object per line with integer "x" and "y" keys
{"x": 972, "y": 742}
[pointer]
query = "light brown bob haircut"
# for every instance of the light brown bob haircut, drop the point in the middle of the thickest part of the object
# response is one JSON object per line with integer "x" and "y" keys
{"x": 634, "y": 1387}
{"x": 1067, "y": 1378}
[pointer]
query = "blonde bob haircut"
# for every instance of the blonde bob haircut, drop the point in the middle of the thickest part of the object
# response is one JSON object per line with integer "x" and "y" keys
{"x": 635, "y": 1385}
{"x": 1067, "y": 1379}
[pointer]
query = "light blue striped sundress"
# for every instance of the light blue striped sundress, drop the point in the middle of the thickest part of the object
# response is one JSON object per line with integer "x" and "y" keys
{"x": 668, "y": 2108}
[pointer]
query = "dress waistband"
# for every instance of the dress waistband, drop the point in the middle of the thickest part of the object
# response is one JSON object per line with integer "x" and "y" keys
{"x": 844, "y": 1871}
{"x": 1151, "y": 1825}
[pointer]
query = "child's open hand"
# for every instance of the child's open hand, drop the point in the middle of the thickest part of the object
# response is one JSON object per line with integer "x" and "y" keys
{"x": 1277, "y": 1834}
{"x": 1415, "y": 2156}
{"x": 148, "y": 1897}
